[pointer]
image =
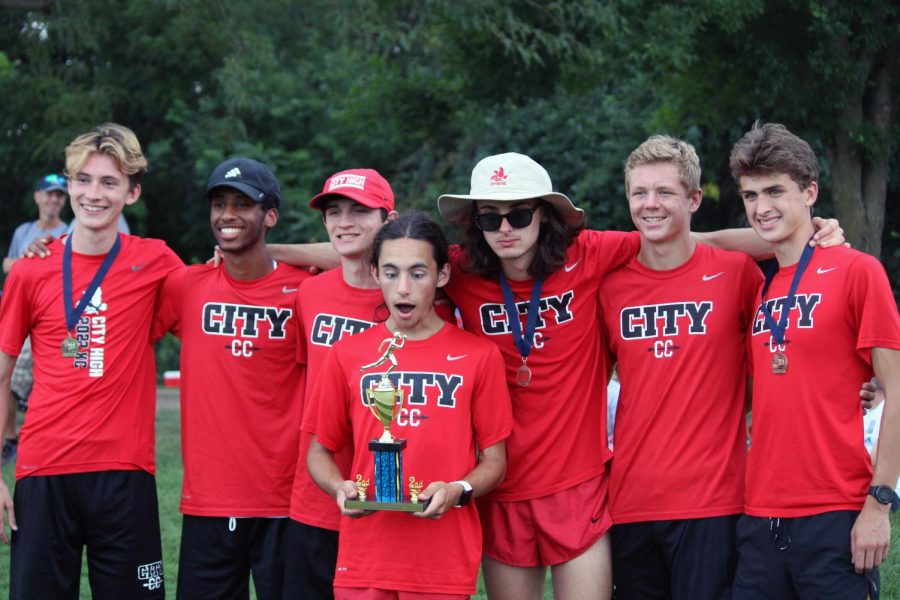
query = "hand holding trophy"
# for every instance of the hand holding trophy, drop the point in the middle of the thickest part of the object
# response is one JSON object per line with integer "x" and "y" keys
{"x": 385, "y": 401}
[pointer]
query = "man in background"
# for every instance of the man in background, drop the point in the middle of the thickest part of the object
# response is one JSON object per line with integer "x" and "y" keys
{"x": 50, "y": 196}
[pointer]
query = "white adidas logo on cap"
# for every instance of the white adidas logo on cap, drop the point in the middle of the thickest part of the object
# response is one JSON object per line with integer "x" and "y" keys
{"x": 235, "y": 172}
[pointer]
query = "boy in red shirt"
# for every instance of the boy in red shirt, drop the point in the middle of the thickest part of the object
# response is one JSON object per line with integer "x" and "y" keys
{"x": 240, "y": 409}
{"x": 341, "y": 302}
{"x": 816, "y": 520}
{"x": 453, "y": 381}
{"x": 85, "y": 467}
{"x": 676, "y": 310}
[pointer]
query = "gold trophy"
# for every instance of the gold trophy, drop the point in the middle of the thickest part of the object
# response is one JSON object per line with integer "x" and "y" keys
{"x": 385, "y": 401}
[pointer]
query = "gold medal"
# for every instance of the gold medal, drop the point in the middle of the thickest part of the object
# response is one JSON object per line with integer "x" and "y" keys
{"x": 779, "y": 363}
{"x": 69, "y": 347}
{"x": 524, "y": 375}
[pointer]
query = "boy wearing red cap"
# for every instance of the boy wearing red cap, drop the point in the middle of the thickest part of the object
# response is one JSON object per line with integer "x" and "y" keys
{"x": 355, "y": 203}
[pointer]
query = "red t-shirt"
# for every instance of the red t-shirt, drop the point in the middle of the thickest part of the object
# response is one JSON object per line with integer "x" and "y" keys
{"x": 456, "y": 401}
{"x": 94, "y": 412}
{"x": 680, "y": 340}
{"x": 328, "y": 310}
{"x": 559, "y": 420}
{"x": 807, "y": 455}
{"x": 240, "y": 411}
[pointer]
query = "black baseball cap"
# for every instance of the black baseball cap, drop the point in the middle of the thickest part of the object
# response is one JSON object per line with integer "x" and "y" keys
{"x": 248, "y": 176}
{"x": 51, "y": 182}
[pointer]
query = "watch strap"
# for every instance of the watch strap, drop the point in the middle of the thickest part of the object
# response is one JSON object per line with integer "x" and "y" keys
{"x": 466, "y": 496}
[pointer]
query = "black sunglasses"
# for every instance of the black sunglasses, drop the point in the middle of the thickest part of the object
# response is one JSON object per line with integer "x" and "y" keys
{"x": 517, "y": 219}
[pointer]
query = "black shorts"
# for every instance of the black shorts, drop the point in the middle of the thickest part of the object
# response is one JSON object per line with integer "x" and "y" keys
{"x": 114, "y": 514}
{"x": 682, "y": 559}
{"x": 311, "y": 557}
{"x": 801, "y": 557}
{"x": 218, "y": 555}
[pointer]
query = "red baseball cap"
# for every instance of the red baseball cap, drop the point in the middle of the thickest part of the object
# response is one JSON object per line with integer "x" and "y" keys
{"x": 365, "y": 186}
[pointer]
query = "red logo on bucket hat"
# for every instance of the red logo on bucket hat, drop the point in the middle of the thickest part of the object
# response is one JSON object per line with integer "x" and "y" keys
{"x": 499, "y": 177}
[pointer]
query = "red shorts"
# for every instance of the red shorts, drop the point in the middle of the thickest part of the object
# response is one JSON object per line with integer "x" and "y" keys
{"x": 546, "y": 531}
{"x": 345, "y": 593}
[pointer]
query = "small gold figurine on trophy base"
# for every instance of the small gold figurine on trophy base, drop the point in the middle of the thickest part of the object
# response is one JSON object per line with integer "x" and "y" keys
{"x": 361, "y": 486}
{"x": 415, "y": 488}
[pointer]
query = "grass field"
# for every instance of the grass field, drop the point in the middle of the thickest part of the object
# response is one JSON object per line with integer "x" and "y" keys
{"x": 168, "y": 481}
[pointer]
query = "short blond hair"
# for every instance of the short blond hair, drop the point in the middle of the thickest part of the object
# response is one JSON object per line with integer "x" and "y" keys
{"x": 665, "y": 148}
{"x": 114, "y": 140}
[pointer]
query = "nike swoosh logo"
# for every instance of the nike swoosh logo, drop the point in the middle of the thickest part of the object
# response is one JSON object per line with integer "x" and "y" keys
{"x": 287, "y": 290}
{"x": 821, "y": 271}
{"x": 572, "y": 266}
{"x": 711, "y": 277}
{"x": 137, "y": 267}
{"x": 450, "y": 357}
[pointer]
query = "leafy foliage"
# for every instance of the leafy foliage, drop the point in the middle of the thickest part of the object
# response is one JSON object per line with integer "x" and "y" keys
{"x": 420, "y": 90}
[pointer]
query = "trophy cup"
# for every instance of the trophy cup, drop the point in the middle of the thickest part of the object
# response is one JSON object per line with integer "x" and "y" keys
{"x": 385, "y": 402}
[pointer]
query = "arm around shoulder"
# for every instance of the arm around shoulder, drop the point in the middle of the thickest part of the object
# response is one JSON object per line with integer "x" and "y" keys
{"x": 321, "y": 255}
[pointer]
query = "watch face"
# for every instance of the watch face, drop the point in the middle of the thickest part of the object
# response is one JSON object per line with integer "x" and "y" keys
{"x": 884, "y": 494}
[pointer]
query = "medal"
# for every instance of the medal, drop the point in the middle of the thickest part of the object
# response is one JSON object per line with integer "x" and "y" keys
{"x": 779, "y": 363}
{"x": 524, "y": 374}
{"x": 69, "y": 347}
{"x": 523, "y": 341}
{"x": 776, "y": 330}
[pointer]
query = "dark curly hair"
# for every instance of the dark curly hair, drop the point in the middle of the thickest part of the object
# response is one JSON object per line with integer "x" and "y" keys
{"x": 553, "y": 242}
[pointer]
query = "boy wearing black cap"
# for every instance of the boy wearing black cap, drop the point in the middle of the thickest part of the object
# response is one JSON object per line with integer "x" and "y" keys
{"x": 239, "y": 383}
{"x": 86, "y": 458}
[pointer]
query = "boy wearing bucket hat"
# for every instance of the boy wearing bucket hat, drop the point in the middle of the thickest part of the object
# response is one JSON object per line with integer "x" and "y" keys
{"x": 344, "y": 301}
{"x": 240, "y": 412}
{"x": 526, "y": 252}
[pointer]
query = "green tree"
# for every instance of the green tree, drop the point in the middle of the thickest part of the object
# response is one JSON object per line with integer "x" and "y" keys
{"x": 826, "y": 69}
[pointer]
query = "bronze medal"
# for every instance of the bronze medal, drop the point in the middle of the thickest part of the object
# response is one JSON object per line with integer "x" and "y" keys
{"x": 524, "y": 375}
{"x": 69, "y": 347}
{"x": 779, "y": 363}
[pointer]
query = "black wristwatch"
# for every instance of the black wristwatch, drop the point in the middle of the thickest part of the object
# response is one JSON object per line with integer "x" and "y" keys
{"x": 885, "y": 494}
{"x": 466, "y": 496}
